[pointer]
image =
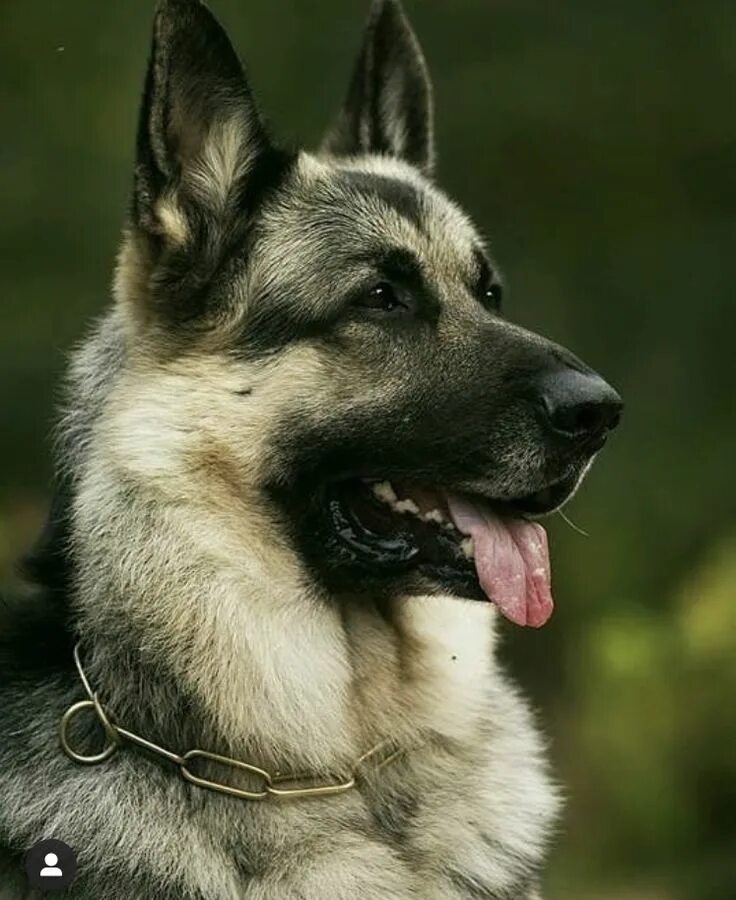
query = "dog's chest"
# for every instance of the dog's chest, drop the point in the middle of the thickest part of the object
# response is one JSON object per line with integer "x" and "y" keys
{"x": 440, "y": 823}
{"x": 463, "y": 814}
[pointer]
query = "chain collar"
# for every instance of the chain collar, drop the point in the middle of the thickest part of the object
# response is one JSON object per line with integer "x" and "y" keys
{"x": 273, "y": 785}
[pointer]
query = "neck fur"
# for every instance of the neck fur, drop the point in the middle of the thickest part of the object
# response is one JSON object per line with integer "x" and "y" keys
{"x": 200, "y": 625}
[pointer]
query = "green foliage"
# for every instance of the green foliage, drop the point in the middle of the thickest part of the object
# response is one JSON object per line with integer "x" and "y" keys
{"x": 652, "y": 733}
{"x": 595, "y": 143}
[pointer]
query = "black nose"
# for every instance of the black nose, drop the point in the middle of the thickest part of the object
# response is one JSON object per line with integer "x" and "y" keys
{"x": 580, "y": 406}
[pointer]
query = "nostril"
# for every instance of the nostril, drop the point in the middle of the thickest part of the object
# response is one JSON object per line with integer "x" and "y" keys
{"x": 578, "y": 419}
{"x": 580, "y": 405}
{"x": 614, "y": 416}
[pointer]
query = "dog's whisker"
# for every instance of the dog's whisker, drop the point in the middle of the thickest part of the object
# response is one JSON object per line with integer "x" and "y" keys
{"x": 572, "y": 525}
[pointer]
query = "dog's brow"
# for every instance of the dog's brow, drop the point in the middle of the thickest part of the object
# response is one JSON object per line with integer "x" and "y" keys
{"x": 396, "y": 264}
{"x": 401, "y": 264}
{"x": 399, "y": 195}
{"x": 483, "y": 266}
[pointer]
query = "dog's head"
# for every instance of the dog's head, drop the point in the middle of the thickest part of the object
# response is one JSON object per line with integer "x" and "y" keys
{"x": 328, "y": 331}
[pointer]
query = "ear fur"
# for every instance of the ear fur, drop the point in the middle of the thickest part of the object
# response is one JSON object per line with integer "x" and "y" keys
{"x": 389, "y": 108}
{"x": 199, "y": 131}
{"x": 203, "y": 158}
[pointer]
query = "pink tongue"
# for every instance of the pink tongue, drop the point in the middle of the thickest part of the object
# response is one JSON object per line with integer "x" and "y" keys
{"x": 511, "y": 558}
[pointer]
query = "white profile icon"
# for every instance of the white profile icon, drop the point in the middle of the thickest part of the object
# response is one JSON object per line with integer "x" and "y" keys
{"x": 51, "y": 870}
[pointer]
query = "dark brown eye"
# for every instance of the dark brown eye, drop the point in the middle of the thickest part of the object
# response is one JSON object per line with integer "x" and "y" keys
{"x": 381, "y": 297}
{"x": 493, "y": 295}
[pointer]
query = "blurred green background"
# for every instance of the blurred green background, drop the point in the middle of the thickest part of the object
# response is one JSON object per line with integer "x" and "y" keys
{"x": 595, "y": 143}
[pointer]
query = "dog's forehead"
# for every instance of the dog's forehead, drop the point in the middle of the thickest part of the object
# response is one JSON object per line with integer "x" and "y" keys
{"x": 333, "y": 211}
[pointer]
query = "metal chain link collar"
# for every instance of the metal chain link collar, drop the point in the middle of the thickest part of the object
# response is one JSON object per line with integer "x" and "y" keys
{"x": 274, "y": 785}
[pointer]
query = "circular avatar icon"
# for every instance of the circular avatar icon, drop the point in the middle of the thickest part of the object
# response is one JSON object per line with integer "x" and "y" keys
{"x": 50, "y": 865}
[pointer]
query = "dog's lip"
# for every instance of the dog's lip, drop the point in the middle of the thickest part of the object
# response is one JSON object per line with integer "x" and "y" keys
{"x": 397, "y": 521}
{"x": 539, "y": 503}
{"x": 373, "y": 530}
{"x": 535, "y": 505}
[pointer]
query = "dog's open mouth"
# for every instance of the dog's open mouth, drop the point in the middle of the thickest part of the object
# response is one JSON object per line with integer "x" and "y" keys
{"x": 476, "y": 547}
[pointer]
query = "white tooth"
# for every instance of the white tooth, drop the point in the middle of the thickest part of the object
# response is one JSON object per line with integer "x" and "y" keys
{"x": 406, "y": 506}
{"x": 384, "y": 491}
{"x": 434, "y": 515}
{"x": 466, "y": 545}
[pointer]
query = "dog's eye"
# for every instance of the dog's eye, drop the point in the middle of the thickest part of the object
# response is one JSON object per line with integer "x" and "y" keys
{"x": 381, "y": 297}
{"x": 492, "y": 296}
{"x": 489, "y": 289}
{"x": 490, "y": 292}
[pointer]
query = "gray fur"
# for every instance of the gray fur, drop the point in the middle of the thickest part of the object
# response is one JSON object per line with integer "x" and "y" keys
{"x": 188, "y": 408}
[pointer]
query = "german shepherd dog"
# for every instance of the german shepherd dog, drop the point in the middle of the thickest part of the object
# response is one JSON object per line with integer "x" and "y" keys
{"x": 300, "y": 470}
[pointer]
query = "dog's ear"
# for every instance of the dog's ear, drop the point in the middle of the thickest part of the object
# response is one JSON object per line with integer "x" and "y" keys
{"x": 389, "y": 105}
{"x": 204, "y": 163}
{"x": 200, "y": 136}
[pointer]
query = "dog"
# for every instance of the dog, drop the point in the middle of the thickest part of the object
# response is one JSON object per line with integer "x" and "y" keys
{"x": 301, "y": 467}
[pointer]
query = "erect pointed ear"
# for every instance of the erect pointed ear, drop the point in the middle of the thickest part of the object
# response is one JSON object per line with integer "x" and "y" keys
{"x": 200, "y": 136}
{"x": 389, "y": 105}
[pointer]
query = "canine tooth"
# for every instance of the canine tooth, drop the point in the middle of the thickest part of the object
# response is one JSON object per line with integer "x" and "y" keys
{"x": 466, "y": 545}
{"x": 384, "y": 491}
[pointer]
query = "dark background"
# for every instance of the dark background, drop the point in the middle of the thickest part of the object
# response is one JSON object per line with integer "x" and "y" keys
{"x": 595, "y": 143}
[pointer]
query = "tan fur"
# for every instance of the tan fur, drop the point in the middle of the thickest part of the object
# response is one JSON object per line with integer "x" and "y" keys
{"x": 233, "y": 612}
{"x": 173, "y": 221}
{"x": 202, "y": 623}
{"x": 222, "y": 162}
